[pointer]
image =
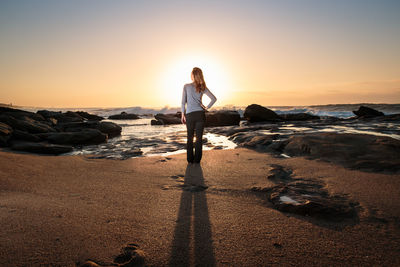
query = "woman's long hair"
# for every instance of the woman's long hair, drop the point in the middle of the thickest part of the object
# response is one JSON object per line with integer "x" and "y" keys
{"x": 199, "y": 82}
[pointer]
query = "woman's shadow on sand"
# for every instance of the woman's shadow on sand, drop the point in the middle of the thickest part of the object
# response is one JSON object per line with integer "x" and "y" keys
{"x": 193, "y": 223}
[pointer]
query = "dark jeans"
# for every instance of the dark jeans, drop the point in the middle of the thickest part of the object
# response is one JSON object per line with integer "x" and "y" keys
{"x": 195, "y": 123}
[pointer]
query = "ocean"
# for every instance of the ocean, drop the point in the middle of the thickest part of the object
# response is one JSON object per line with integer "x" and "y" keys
{"x": 139, "y": 135}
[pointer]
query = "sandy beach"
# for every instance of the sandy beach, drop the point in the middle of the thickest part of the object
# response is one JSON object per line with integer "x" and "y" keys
{"x": 64, "y": 210}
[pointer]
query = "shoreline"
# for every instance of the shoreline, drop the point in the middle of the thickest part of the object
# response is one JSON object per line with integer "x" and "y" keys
{"x": 61, "y": 210}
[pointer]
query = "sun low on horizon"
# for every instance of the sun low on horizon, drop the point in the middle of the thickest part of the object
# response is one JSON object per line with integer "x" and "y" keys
{"x": 177, "y": 73}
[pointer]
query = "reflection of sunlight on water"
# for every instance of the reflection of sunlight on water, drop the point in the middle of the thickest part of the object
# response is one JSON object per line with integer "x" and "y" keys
{"x": 219, "y": 140}
{"x": 152, "y": 140}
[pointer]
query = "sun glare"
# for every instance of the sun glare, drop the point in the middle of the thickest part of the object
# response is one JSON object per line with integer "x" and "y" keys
{"x": 178, "y": 73}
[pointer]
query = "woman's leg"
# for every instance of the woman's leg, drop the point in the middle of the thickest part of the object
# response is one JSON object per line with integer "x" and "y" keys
{"x": 199, "y": 126}
{"x": 190, "y": 133}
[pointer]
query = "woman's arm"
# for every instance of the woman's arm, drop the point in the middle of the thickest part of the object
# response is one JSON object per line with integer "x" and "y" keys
{"x": 184, "y": 100}
{"x": 211, "y": 96}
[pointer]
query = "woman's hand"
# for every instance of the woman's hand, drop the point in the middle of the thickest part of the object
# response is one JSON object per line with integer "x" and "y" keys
{"x": 204, "y": 107}
{"x": 183, "y": 118}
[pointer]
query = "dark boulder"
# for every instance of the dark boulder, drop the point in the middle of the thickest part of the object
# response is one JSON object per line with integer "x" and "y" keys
{"x": 43, "y": 148}
{"x": 88, "y": 116}
{"x": 84, "y": 137}
{"x": 69, "y": 116}
{"x": 171, "y": 118}
{"x": 107, "y": 127}
{"x": 156, "y": 122}
{"x": 26, "y": 124}
{"x": 299, "y": 117}
{"x": 124, "y": 116}
{"x": 222, "y": 118}
{"x": 367, "y": 112}
{"x": 5, "y": 134}
{"x": 22, "y": 135}
{"x": 257, "y": 113}
{"x": 19, "y": 114}
{"x": 76, "y": 126}
{"x": 110, "y": 128}
{"x": 259, "y": 141}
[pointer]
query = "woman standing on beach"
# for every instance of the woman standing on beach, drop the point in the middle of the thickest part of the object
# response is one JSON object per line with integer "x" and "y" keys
{"x": 194, "y": 115}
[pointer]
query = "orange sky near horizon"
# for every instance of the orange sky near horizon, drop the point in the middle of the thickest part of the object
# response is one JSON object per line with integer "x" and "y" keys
{"x": 75, "y": 54}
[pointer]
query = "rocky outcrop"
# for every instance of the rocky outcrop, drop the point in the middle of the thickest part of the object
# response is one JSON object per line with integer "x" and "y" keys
{"x": 356, "y": 151}
{"x": 107, "y": 127}
{"x": 68, "y": 116}
{"x": 25, "y": 123}
{"x": 222, "y": 118}
{"x": 170, "y": 118}
{"x": 21, "y": 129}
{"x": 124, "y": 116}
{"x": 257, "y": 113}
{"x": 18, "y": 114}
{"x": 5, "y": 134}
{"x": 88, "y": 116}
{"x": 367, "y": 112}
{"x": 84, "y": 137}
{"x": 40, "y": 147}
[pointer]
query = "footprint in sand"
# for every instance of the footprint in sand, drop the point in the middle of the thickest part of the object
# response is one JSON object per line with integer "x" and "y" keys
{"x": 131, "y": 256}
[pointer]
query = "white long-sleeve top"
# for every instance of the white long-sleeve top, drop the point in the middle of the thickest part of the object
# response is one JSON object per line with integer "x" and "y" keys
{"x": 193, "y": 98}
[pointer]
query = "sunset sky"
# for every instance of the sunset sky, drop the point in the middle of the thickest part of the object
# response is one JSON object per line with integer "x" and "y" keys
{"x": 140, "y": 53}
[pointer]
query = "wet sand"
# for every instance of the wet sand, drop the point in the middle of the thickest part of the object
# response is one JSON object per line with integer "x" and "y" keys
{"x": 60, "y": 210}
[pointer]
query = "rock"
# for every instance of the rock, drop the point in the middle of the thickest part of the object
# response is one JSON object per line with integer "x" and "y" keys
{"x": 260, "y": 140}
{"x": 22, "y": 135}
{"x": 356, "y": 151}
{"x": 299, "y": 117}
{"x": 257, "y": 113}
{"x": 133, "y": 152}
{"x": 26, "y": 124}
{"x": 107, "y": 127}
{"x": 19, "y": 114}
{"x": 308, "y": 198}
{"x": 367, "y": 112}
{"x": 279, "y": 174}
{"x": 69, "y": 116}
{"x": 110, "y": 128}
{"x": 84, "y": 137}
{"x": 222, "y": 118}
{"x": 88, "y": 116}
{"x": 171, "y": 118}
{"x": 156, "y": 122}
{"x": 77, "y": 126}
{"x": 5, "y": 134}
{"x": 124, "y": 116}
{"x": 44, "y": 148}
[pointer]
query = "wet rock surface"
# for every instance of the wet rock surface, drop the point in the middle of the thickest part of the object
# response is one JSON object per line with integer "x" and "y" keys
{"x": 124, "y": 116}
{"x": 356, "y": 151}
{"x": 306, "y": 197}
{"x": 20, "y": 130}
{"x": 171, "y": 118}
{"x": 362, "y": 143}
{"x": 40, "y": 147}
